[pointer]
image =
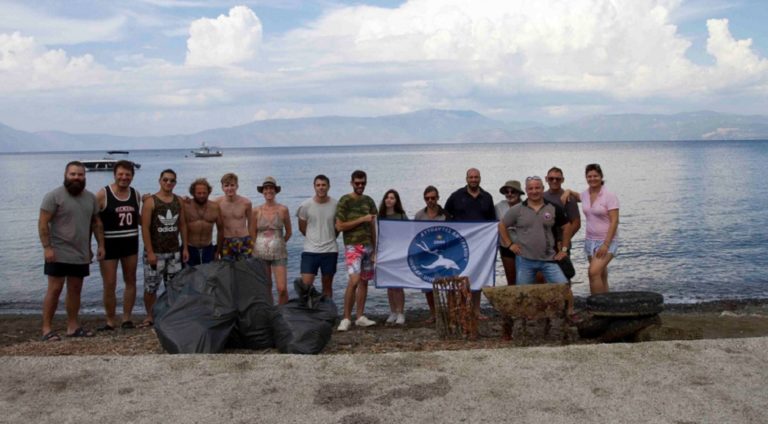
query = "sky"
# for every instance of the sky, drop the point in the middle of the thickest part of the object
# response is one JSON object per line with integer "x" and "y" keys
{"x": 160, "y": 67}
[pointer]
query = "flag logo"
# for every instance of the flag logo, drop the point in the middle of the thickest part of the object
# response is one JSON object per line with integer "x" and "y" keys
{"x": 436, "y": 252}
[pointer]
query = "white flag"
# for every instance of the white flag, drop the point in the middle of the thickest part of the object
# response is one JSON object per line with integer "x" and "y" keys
{"x": 410, "y": 254}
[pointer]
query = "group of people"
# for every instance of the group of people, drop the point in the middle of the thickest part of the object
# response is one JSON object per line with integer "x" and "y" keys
{"x": 534, "y": 235}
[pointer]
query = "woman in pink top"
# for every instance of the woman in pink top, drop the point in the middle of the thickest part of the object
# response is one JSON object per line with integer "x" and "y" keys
{"x": 601, "y": 209}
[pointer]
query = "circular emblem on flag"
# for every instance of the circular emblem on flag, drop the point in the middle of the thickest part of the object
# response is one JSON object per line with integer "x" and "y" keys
{"x": 438, "y": 252}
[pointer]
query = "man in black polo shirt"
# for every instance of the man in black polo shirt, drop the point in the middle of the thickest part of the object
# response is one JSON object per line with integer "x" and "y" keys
{"x": 536, "y": 222}
{"x": 471, "y": 203}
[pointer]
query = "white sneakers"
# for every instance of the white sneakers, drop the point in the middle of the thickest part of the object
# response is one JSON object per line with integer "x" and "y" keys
{"x": 360, "y": 322}
{"x": 344, "y": 325}
{"x": 395, "y": 318}
{"x": 364, "y": 322}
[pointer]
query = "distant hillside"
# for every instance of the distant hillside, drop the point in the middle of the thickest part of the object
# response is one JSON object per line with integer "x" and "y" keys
{"x": 424, "y": 126}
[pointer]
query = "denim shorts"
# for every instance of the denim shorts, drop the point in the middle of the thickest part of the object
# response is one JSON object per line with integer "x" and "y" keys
{"x": 324, "y": 262}
{"x": 591, "y": 246}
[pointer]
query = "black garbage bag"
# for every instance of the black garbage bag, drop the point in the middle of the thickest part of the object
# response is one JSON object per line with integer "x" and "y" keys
{"x": 207, "y": 308}
{"x": 310, "y": 318}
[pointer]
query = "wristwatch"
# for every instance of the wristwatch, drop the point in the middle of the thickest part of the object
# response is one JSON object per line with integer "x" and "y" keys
{"x": 564, "y": 249}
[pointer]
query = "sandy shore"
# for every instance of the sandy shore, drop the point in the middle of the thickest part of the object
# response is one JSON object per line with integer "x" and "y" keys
{"x": 703, "y": 364}
{"x": 20, "y": 334}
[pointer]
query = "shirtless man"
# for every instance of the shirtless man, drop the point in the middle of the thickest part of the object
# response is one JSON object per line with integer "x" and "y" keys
{"x": 162, "y": 222}
{"x": 201, "y": 215}
{"x": 119, "y": 209}
{"x": 235, "y": 216}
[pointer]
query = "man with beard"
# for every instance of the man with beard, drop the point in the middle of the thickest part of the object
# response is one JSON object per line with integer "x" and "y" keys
{"x": 201, "y": 215}
{"x": 119, "y": 212}
{"x": 162, "y": 222}
{"x": 472, "y": 203}
{"x": 68, "y": 216}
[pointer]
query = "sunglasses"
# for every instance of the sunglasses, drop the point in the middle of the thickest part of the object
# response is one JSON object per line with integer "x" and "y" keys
{"x": 169, "y": 180}
{"x": 510, "y": 191}
{"x": 430, "y": 197}
{"x": 359, "y": 183}
{"x": 553, "y": 179}
{"x": 533, "y": 178}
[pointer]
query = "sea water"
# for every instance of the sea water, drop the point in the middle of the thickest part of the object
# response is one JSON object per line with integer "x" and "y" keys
{"x": 692, "y": 226}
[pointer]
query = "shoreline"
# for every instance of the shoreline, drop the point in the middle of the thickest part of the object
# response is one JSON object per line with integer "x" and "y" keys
{"x": 579, "y": 301}
{"x": 20, "y": 333}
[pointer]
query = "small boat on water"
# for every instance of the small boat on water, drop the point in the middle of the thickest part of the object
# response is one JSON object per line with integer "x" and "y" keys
{"x": 106, "y": 164}
{"x": 205, "y": 151}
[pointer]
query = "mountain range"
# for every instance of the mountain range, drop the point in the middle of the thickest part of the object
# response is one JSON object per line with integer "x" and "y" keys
{"x": 423, "y": 126}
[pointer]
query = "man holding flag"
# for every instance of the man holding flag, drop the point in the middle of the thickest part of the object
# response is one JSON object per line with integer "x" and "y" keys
{"x": 472, "y": 203}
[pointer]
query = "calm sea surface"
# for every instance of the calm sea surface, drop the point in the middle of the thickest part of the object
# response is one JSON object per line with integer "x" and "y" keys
{"x": 693, "y": 221}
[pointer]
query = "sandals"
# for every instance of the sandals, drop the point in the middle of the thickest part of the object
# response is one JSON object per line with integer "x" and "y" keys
{"x": 106, "y": 327}
{"x": 51, "y": 336}
{"x": 127, "y": 325}
{"x": 81, "y": 332}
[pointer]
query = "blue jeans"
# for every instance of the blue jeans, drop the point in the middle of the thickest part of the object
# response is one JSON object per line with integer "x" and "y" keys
{"x": 527, "y": 268}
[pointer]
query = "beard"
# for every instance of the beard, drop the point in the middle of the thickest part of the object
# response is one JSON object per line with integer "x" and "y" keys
{"x": 74, "y": 187}
{"x": 202, "y": 201}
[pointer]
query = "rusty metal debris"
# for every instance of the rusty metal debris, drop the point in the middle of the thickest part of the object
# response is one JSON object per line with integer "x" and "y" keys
{"x": 455, "y": 317}
{"x": 530, "y": 302}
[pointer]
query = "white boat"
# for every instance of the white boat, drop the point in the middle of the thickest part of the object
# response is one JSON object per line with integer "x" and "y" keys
{"x": 106, "y": 164}
{"x": 205, "y": 151}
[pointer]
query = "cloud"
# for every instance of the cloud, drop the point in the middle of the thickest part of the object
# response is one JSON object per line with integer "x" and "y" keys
{"x": 190, "y": 97}
{"x": 226, "y": 40}
{"x": 26, "y": 65}
{"x": 282, "y": 113}
{"x": 624, "y": 49}
{"x": 734, "y": 55}
{"x": 516, "y": 60}
{"x": 48, "y": 29}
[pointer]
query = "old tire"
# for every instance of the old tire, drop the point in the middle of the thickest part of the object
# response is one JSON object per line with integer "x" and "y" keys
{"x": 625, "y": 304}
{"x": 624, "y": 329}
{"x": 593, "y": 327}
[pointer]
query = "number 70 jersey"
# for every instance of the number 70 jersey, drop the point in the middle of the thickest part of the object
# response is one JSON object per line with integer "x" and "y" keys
{"x": 120, "y": 217}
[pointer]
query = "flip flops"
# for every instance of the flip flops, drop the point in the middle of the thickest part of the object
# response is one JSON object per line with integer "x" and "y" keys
{"x": 51, "y": 336}
{"x": 127, "y": 325}
{"x": 106, "y": 327}
{"x": 81, "y": 332}
{"x": 146, "y": 324}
